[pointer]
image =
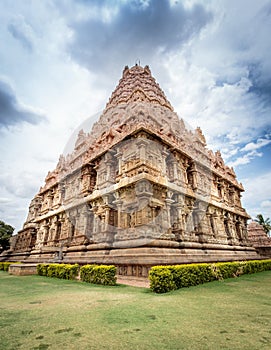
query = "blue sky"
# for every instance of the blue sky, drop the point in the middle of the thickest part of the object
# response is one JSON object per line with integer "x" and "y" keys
{"x": 60, "y": 61}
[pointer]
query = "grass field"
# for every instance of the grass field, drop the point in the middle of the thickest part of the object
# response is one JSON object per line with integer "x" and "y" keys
{"x": 45, "y": 313}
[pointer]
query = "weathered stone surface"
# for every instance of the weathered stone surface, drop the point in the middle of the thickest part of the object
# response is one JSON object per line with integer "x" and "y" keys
{"x": 23, "y": 269}
{"x": 259, "y": 239}
{"x": 139, "y": 189}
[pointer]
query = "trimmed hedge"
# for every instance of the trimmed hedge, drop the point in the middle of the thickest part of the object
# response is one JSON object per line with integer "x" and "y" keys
{"x": 166, "y": 278}
{"x": 161, "y": 279}
{"x": 42, "y": 269}
{"x": 4, "y": 266}
{"x": 191, "y": 274}
{"x": 99, "y": 274}
{"x": 64, "y": 271}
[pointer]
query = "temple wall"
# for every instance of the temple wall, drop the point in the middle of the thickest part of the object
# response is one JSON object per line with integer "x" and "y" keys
{"x": 166, "y": 197}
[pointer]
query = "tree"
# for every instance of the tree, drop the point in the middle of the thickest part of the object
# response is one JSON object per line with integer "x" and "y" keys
{"x": 6, "y": 232}
{"x": 265, "y": 223}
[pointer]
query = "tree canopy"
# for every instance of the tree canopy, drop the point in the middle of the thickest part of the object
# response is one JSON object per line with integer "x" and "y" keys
{"x": 265, "y": 223}
{"x": 6, "y": 232}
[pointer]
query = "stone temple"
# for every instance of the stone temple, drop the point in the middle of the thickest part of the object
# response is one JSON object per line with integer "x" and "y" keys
{"x": 140, "y": 189}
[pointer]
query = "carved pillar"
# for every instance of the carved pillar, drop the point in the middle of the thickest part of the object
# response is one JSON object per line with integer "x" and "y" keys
{"x": 50, "y": 199}
{"x": 109, "y": 162}
{"x": 58, "y": 230}
{"x": 220, "y": 224}
{"x": 164, "y": 156}
{"x": 179, "y": 206}
{"x": 203, "y": 223}
{"x": 192, "y": 176}
{"x": 184, "y": 166}
{"x": 213, "y": 223}
{"x": 45, "y": 234}
{"x": 210, "y": 223}
{"x": 119, "y": 206}
{"x": 189, "y": 224}
{"x": 96, "y": 222}
{"x": 119, "y": 158}
{"x": 142, "y": 143}
{"x": 221, "y": 189}
{"x": 229, "y": 228}
{"x": 238, "y": 229}
{"x": 85, "y": 181}
{"x": 84, "y": 220}
{"x": 168, "y": 223}
{"x": 89, "y": 222}
{"x": 52, "y": 229}
{"x": 234, "y": 234}
{"x": 176, "y": 172}
{"x": 57, "y": 198}
{"x": 231, "y": 195}
{"x": 72, "y": 223}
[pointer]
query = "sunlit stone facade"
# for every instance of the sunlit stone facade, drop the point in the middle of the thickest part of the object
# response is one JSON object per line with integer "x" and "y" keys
{"x": 139, "y": 189}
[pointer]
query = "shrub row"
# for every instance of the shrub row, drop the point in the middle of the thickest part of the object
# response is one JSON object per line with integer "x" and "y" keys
{"x": 64, "y": 271}
{"x": 98, "y": 274}
{"x": 5, "y": 265}
{"x": 166, "y": 278}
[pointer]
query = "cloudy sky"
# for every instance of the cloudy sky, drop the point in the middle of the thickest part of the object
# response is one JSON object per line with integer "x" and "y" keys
{"x": 61, "y": 59}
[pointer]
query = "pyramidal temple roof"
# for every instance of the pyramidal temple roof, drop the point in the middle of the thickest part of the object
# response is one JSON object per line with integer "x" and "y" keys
{"x": 138, "y": 84}
{"x": 138, "y": 103}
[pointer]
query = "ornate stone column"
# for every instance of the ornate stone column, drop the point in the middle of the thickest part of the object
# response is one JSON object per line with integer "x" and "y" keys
{"x": 50, "y": 199}
{"x": 168, "y": 224}
{"x": 119, "y": 158}
{"x": 109, "y": 162}
{"x": 45, "y": 234}
{"x": 52, "y": 230}
{"x": 142, "y": 144}
{"x": 165, "y": 153}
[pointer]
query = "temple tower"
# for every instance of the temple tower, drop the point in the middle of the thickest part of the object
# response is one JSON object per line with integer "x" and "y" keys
{"x": 139, "y": 189}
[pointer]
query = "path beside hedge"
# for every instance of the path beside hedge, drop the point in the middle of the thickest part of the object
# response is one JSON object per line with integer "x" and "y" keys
{"x": 134, "y": 281}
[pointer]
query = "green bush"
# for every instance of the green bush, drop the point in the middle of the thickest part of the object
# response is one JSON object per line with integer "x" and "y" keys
{"x": 162, "y": 279}
{"x": 191, "y": 274}
{"x": 4, "y": 265}
{"x": 42, "y": 269}
{"x": 52, "y": 270}
{"x": 64, "y": 271}
{"x": 86, "y": 273}
{"x": 230, "y": 269}
{"x": 166, "y": 278}
{"x": 99, "y": 274}
{"x": 257, "y": 266}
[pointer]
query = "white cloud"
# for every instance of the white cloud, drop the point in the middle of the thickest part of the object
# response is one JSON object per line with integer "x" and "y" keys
{"x": 102, "y": 43}
{"x": 12, "y": 111}
{"x": 245, "y": 159}
{"x": 257, "y": 194}
{"x": 4, "y": 200}
{"x": 266, "y": 204}
{"x": 22, "y": 31}
{"x": 255, "y": 145}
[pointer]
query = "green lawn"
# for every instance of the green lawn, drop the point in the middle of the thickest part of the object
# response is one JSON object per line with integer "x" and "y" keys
{"x": 45, "y": 313}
